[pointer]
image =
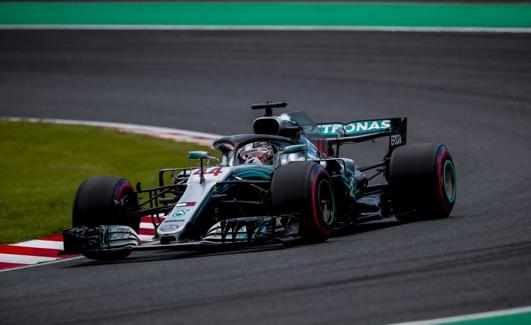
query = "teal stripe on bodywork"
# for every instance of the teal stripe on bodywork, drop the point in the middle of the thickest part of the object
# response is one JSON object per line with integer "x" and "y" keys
{"x": 247, "y": 172}
{"x": 254, "y": 172}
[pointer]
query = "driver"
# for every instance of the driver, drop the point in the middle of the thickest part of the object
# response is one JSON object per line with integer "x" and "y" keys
{"x": 258, "y": 153}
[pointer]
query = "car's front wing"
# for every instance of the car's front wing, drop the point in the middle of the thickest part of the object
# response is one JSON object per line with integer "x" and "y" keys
{"x": 225, "y": 234}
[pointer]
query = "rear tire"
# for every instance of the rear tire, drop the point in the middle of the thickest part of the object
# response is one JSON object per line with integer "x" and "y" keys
{"x": 305, "y": 189}
{"x": 422, "y": 181}
{"x": 106, "y": 200}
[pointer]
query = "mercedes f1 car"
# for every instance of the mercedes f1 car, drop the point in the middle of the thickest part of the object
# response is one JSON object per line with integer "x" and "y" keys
{"x": 286, "y": 183}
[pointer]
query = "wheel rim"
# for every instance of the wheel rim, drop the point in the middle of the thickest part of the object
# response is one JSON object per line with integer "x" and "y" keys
{"x": 325, "y": 199}
{"x": 126, "y": 204}
{"x": 449, "y": 180}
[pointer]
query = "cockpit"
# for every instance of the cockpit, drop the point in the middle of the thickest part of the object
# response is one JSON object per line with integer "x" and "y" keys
{"x": 272, "y": 135}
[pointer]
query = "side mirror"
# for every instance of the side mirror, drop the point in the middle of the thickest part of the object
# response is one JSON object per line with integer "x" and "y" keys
{"x": 283, "y": 157}
{"x": 201, "y": 155}
{"x": 198, "y": 155}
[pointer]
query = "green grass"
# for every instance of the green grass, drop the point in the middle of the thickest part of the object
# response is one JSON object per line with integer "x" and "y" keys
{"x": 42, "y": 165}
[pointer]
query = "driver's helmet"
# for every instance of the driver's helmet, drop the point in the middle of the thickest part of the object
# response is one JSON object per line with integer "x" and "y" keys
{"x": 256, "y": 153}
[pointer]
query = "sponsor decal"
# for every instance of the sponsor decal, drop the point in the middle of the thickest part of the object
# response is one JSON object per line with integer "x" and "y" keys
{"x": 185, "y": 204}
{"x": 396, "y": 139}
{"x": 357, "y": 127}
{"x": 169, "y": 227}
{"x": 174, "y": 220}
{"x": 180, "y": 213}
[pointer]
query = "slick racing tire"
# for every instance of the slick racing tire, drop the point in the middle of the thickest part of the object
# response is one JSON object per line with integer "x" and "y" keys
{"x": 305, "y": 189}
{"x": 105, "y": 200}
{"x": 422, "y": 181}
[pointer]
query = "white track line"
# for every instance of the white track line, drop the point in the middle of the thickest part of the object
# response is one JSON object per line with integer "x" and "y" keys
{"x": 125, "y": 126}
{"x": 274, "y": 28}
{"x": 47, "y": 263}
{"x": 201, "y": 138}
{"x": 490, "y": 314}
{"x": 24, "y": 259}
{"x": 38, "y": 243}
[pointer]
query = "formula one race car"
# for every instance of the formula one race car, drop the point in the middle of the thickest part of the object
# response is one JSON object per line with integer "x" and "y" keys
{"x": 285, "y": 183}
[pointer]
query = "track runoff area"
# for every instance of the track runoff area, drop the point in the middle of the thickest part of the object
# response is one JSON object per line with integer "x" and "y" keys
{"x": 396, "y": 17}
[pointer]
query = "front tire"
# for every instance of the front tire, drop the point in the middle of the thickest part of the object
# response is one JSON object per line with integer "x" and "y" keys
{"x": 305, "y": 189}
{"x": 422, "y": 181}
{"x": 106, "y": 200}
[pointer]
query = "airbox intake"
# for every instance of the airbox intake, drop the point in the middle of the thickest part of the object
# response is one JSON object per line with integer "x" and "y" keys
{"x": 266, "y": 125}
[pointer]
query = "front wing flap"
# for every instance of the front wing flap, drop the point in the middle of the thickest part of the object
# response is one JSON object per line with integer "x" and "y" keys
{"x": 251, "y": 230}
{"x": 100, "y": 238}
{"x": 236, "y": 232}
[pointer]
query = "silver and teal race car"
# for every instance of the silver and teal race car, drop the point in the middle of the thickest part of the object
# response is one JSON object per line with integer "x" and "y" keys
{"x": 285, "y": 183}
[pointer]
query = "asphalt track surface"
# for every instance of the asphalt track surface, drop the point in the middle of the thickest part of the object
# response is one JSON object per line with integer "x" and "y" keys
{"x": 470, "y": 91}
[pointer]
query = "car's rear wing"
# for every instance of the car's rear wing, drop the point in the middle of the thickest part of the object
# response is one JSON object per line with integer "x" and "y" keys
{"x": 337, "y": 133}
